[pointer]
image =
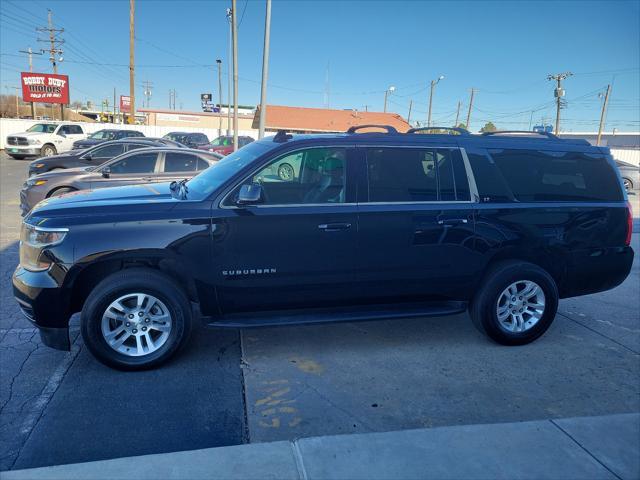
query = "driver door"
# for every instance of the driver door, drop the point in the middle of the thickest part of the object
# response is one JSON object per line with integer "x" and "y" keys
{"x": 133, "y": 169}
{"x": 296, "y": 246}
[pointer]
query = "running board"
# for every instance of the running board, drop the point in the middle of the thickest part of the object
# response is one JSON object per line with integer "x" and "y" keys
{"x": 335, "y": 314}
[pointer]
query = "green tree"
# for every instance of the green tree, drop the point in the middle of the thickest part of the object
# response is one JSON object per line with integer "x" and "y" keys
{"x": 488, "y": 127}
{"x": 462, "y": 125}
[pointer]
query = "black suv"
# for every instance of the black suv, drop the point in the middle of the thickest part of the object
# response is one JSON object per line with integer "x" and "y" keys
{"x": 368, "y": 226}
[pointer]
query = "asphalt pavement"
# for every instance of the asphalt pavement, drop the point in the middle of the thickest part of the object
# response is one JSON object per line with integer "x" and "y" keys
{"x": 59, "y": 407}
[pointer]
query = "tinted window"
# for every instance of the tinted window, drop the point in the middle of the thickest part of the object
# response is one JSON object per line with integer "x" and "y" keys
{"x": 179, "y": 162}
{"x": 134, "y": 134}
{"x": 108, "y": 151}
{"x": 144, "y": 162}
{"x": 199, "y": 139}
{"x": 202, "y": 165}
{"x": 491, "y": 185}
{"x": 557, "y": 176}
{"x": 416, "y": 175}
{"x": 73, "y": 130}
{"x": 135, "y": 146}
{"x": 315, "y": 175}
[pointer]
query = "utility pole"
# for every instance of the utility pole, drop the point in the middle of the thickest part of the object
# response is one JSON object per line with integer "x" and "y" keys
{"x": 603, "y": 113}
{"x": 558, "y": 93}
{"x": 389, "y": 90}
{"x": 265, "y": 70}
{"x": 31, "y": 53}
{"x": 457, "y": 113}
{"x": 409, "y": 116}
{"x": 132, "y": 83}
{"x": 219, "y": 62}
{"x": 114, "y": 105}
{"x": 433, "y": 84}
{"x": 54, "y": 44}
{"x": 229, "y": 55}
{"x": 234, "y": 34}
{"x": 469, "y": 112}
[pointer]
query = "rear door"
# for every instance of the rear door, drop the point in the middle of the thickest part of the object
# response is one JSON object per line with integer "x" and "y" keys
{"x": 179, "y": 165}
{"x": 416, "y": 225}
{"x": 296, "y": 247}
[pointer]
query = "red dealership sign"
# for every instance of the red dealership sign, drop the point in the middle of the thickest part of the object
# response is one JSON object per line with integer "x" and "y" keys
{"x": 45, "y": 87}
{"x": 125, "y": 103}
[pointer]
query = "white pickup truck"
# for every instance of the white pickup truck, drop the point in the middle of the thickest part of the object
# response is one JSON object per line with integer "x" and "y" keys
{"x": 44, "y": 139}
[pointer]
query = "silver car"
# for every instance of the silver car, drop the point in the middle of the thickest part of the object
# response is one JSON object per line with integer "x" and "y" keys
{"x": 145, "y": 165}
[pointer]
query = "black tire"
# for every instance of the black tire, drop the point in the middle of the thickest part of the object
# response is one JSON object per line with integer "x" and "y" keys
{"x": 60, "y": 191}
{"x": 628, "y": 184}
{"x": 136, "y": 280}
{"x": 18, "y": 157}
{"x": 483, "y": 309}
{"x": 47, "y": 150}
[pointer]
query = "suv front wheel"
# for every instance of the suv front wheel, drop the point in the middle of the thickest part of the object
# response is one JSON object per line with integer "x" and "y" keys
{"x": 516, "y": 304}
{"x": 136, "y": 319}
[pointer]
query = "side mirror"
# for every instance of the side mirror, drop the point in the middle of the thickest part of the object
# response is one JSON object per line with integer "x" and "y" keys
{"x": 88, "y": 156}
{"x": 106, "y": 172}
{"x": 249, "y": 194}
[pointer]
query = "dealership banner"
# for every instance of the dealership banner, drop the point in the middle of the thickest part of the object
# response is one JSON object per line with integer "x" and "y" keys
{"x": 125, "y": 103}
{"x": 45, "y": 87}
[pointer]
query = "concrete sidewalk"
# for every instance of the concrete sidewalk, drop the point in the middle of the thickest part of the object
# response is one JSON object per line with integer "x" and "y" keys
{"x": 582, "y": 448}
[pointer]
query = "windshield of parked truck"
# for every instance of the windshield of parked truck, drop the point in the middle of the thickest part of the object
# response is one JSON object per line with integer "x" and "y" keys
{"x": 215, "y": 176}
{"x": 42, "y": 128}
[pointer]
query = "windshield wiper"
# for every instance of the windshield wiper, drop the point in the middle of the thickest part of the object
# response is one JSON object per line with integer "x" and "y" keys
{"x": 179, "y": 189}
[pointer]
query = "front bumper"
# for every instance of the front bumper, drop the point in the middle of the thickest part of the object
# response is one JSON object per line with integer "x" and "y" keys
{"x": 27, "y": 151}
{"x": 45, "y": 304}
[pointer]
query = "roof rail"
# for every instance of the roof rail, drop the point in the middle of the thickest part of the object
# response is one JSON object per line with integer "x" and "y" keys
{"x": 282, "y": 136}
{"x": 461, "y": 131}
{"x": 388, "y": 128}
{"x": 522, "y": 132}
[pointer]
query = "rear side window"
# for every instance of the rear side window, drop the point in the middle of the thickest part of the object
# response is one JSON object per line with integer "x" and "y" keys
{"x": 108, "y": 151}
{"x": 491, "y": 185}
{"x": 144, "y": 162}
{"x": 416, "y": 175}
{"x": 179, "y": 162}
{"x": 536, "y": 175}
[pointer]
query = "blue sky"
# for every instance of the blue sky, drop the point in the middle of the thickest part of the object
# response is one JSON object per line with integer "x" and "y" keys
{"x": 503, "y": 49}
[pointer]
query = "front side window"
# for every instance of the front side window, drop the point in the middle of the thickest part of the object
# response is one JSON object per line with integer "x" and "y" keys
{"x": 311, "y": 176}
{"x": 144, "y": 162}
{"x": 179, "y": 162}
{"x": 108, "y": 151}
{"x": 416, "y": 175}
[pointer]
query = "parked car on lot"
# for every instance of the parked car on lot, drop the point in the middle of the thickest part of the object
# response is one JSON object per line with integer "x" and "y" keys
{"x": 93, "y": 156}
{"x": 140, "y": 166}
{"x": 630, "y": 175}
{"x": 373, "y": 226}
{"x": 104, "y": 135}
{"x": 224, "y": 144}
{"x": 188, "y": 139}
{"x": 44, "y": 139}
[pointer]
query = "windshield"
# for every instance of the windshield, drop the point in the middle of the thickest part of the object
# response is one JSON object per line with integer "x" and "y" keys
{"x": 176, "y": 137}
{"x": 221, "y": 142}
{"x": 103, "y": 135}
{"x": 42, "y": 128}
{"x": 213, "y": 177}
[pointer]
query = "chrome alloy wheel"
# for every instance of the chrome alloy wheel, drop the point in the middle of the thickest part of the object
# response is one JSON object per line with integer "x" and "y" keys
{"x": 136, "y": 324}
{"x": 520, "y": 306}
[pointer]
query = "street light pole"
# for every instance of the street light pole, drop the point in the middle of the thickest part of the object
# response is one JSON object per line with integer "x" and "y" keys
{"x": 386, "y": 93}
{"x": 433, "y": 84}
{"x": 229, "y": 76}
{"x": 234, "y": 34}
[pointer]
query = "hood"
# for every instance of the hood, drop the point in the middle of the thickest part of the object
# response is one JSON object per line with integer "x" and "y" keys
{"x": 63, "y": 172}
{"x": 88, "y": 141}
{"x": 88, "y": 202}
{"x": 28, "y": 134}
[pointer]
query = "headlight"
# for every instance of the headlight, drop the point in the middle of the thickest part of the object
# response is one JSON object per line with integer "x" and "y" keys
{"x": 38, "y": 165}
{"x": 33, "y": 243}
{"x": 36, "y": 182}
{"x": 33, "y": 141}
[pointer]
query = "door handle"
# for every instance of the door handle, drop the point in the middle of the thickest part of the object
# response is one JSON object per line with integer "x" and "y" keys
{"x": 334, "y": 227}
{"x": 453, "y": 221}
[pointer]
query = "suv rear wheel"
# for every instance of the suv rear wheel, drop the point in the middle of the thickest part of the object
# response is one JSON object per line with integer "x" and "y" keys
{"x": 516, "y": 304}
{"x": 136, "y": 319}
